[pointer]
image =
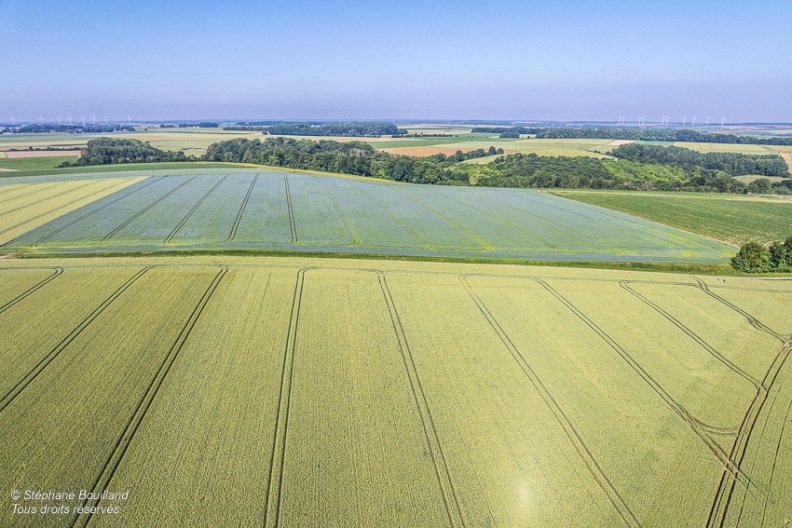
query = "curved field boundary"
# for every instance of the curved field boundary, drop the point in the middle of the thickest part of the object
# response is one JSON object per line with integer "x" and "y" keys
{"x": 355, "y": 237}
{"x": 122, "y": 444}
{"x": 19, "y": 298}
{"x": 238, "y": 219}
{"x": 452, "y": 504}
{"x": 627, "y": 222}
{"x": 756, "y": 323}
{"x": 690, "y": 333}
{"x": 290, "y": 206}
{"x": 487, "y": 246}
{"x": 586, "y": 456}
{"x": 728, "y": 482}
{"x": 52, "y": 354}
{"x": 396, "y": 219}
{"x": 169, "y": 238}
{"x": 274, "y": 486}
{"x": 144, "y": 210}
{"x": 60, "y": 207}
{"x": 9, "y": 211}
{"x": 702, "y": 430}
{"x": 108, "y": 204}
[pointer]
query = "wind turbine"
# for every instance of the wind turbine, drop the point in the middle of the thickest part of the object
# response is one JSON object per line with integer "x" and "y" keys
{"x": 83, "y": 120}
{"x": 708, "y": 118}
{"x": 69, "y": 119}
{"x": 105, "y": 120}
{"x": 723, "y": 120}
{"x": 59, "y": 120}
{"x": 13, "y": 121}
{"x": 684, "y": 120}
{"x": 41, "y": 119}
{"x": 94, "y": 119}
{"x": 129, "y": 119}
{"x": 693, "y": 124}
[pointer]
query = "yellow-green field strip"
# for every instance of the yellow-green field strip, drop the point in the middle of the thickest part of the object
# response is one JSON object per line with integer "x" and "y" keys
{"x": 276, "y": 392}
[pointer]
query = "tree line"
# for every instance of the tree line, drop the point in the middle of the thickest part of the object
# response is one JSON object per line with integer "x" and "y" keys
{"x": 636, "y": 134}
{"x": 359, "y": 129}
{"x": 756, "y": 258}
{"x": 513, "y": 170}
{"x": 109, "y": 151}
{"x": 71, "y": 129}
{"x": 729, "y": 162}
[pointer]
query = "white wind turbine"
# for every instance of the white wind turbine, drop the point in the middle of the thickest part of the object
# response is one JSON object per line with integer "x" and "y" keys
{"x": 105, "y": 120}
{"x": 69, "y": 119}
{"x": 83, "y": 121}
{"x": 94, "y": 119}
{"x": 13, "y": 121}
{"x": 59, "y": 120}
{"x": 41, "y": 119}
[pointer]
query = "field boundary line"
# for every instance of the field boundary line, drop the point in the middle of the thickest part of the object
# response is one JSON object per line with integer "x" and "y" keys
{"x": 9, "y": 211}
{"x": 238, "y": 219}
{"x": 487, "y": 246}
{"x": 122, "y": 444}
{"x": 453, "y": 505}
{"x": 350, "y": 229}
{"x": 756, "y": 323}
{"x": 690, "y": 333}
{"x": 63, "y": 206}
{"x": 273, "y": 499}
{"x": 585, "y": 455}
{"x": 169, "y": 238}
{"x": 151, "y": 180}
{"x": 727, "y": 483}
{"x": 66, "y": 341}
{"x": 699, "y": 428}
{"x": 145, "y": 209}
{"x": 19, "y": 298}
{"x": 396, "y": 219}
{"x": 290, "y": 207}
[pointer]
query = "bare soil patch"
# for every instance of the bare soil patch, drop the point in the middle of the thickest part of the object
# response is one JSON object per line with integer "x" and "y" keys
{"x": 788, "y": 158}
{"x": 41, "y": 153}
{"x": 617, "y": 142}
{"x": 7, "y": 170}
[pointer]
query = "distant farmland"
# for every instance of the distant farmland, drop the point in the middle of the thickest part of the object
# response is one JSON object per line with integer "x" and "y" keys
{"x": 307, "y": 213}
{"x": 286, "y": 392}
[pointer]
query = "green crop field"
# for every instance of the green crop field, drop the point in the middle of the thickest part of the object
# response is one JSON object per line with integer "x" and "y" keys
{"x": 34, "y": 164}
{"x": 730, "y": 218}
{"x": 222, "y": 391}
{"x": 279, "y": 211}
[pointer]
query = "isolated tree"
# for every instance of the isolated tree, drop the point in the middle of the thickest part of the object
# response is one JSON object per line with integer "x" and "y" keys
{"x": 752, "y": 258}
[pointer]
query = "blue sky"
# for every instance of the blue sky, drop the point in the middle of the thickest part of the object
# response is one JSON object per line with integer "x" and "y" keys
{"x": 521, "y": 60}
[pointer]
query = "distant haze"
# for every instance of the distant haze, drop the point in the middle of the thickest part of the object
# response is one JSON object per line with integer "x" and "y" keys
{"x": 515, "y": 60}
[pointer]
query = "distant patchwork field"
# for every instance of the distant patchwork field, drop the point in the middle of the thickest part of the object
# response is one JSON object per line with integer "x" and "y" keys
{"x": 311, "y": 213}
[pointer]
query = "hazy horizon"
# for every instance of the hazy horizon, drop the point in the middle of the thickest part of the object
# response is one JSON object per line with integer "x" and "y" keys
{"x": 520, "y": 61}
